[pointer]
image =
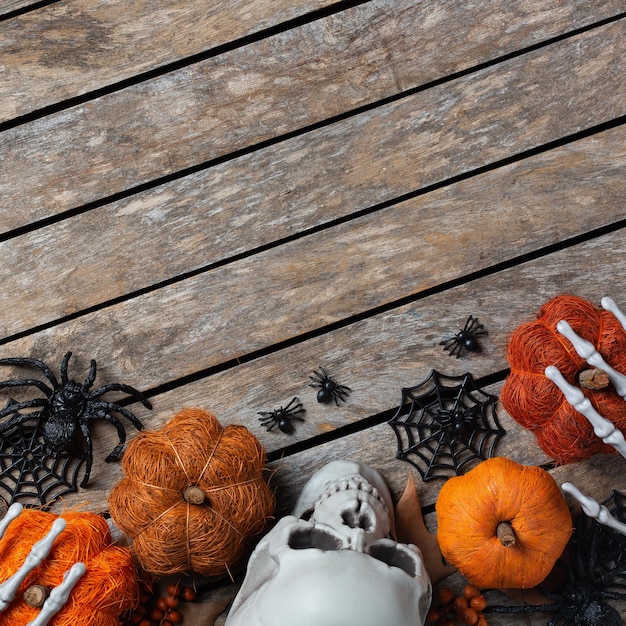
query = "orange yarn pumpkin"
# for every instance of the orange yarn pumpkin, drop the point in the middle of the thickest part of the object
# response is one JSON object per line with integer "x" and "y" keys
{"x": 108, "y": 589}
{"x": 193, "y": 495}
{"x": 503, "y": 524}
{"x": 537, "y": 403}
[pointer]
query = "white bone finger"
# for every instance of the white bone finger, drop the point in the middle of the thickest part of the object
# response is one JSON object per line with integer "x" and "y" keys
{"x": 594, "y": 509}
{"x": 609, "y": 305}
{"x": 59, "y": 595}
{"x": 12, "y": 512}
{"x": 37, "y": 554}
{"x": 587, "y": 351}
{"x": 602, "y": 427}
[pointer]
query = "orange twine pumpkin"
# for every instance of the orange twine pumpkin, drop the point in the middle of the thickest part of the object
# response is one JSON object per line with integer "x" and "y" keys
{"x": 537, "y": 403}
{"x": 193, "y": 495}
{"x": 108, "y": 588}
{"x": 503, "y": 524}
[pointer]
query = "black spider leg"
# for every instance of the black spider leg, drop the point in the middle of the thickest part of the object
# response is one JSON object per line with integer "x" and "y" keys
{"x": 131, "y": 391}
{"x": 40, "y": 365}
{"x": 64, "y": 364}
{"x": 84, "y": 427}
{"x": 268, "y": 418}
{"x": 452, "y": 346}
{"x": 13, "y": 407}
{"x": 103, "y": 411}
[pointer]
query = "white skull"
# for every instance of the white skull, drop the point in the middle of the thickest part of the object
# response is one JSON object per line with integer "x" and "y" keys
{"x": 334, "y": 563}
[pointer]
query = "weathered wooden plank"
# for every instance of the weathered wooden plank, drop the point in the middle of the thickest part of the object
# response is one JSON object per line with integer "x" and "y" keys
{"x": 231, "y": 210}
{"x": 294, "y": 289}
{"x": 516, "y": 105}
{"x": 70, "y": 49}
{"x": 376, "y": 357}
{"x": 306, "y": 284}
{"x": 8, "y": 6}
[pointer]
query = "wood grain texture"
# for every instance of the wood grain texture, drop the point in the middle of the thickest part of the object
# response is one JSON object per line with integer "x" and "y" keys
{"x": 375, "y": 357}
{"x": 71, "y": 48}
{"x": 131, "y": 137}
{"x": 236, "y": 208}
{"x": 300, "y": 287}
{"x": 8, "y": 6}
{"x": 378, "y": 356}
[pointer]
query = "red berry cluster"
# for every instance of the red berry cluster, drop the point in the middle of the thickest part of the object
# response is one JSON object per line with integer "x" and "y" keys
{"x": 466, "y": 609}
{"x": 161, "y": 610}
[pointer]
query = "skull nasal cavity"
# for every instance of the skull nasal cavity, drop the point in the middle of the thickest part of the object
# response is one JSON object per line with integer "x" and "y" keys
{"x": 355, "y": 519}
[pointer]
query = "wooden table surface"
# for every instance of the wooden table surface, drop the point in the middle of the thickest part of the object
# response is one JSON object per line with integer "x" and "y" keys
{"x": 214, "y": 199}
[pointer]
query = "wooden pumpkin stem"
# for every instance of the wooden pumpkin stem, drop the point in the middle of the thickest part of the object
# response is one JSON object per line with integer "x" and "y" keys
{"x": 194, "y": 495}
{"x": 595, "y": 379}
{"x": 36, "y": 595}
{"x": 505, "y": 534}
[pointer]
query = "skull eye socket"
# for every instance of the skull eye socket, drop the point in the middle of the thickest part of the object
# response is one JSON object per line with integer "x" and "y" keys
{"x": 302, "y": 538}
{"x": 390, "y": 554}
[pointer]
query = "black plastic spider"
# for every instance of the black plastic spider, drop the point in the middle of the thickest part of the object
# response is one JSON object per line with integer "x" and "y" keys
{"x": 68, "y": 408}
{"x": 465, "y": 339}
{"x": 282, "y": 417}
{"x": 596, "y": 575}
{"x": 328, "y": 388}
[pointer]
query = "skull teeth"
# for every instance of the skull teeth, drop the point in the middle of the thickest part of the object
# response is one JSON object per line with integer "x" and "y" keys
{"x": 352, "y": 483}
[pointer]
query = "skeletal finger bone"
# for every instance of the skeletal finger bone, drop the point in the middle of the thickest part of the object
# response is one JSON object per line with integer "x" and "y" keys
{"x": 609, "y": 305}
{"x": 587, "y": 351}
{"x": 59, "y": 595}
{"x": 594, "y": 509}
{"x": 12, "y": 512}
{"x": 35, "y": 557}
{"x": 602, "y": 427}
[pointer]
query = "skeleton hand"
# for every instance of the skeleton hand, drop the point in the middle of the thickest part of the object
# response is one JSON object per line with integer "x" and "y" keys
{"x": 52, "y": 603}
{"x": 602, "y": 427}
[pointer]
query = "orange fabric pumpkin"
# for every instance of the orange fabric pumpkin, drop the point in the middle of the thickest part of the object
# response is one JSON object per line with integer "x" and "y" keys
{"x": 193, "y": 495}
{"x": 108, "y": 589}
{"x": 503, "y": 524}
{"x": 536, "y": 403}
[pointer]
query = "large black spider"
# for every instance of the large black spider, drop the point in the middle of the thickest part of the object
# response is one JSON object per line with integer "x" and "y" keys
{"x": 67, "y": 409}
{"x": 594, "y": 575}
{"x": 328, "y": 388}
{"x": 465, "y": 339}
{"x": 444, "y": 424}
{"x": 282, "y": 417}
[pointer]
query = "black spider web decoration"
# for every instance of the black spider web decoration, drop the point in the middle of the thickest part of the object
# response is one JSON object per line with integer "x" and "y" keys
{"x": 444, "y": 424}
{"x": 31, "y": 475}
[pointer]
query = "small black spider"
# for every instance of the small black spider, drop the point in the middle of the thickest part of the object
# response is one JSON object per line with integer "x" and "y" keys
{"x": 283, "y": 417}
{"x": 465, "y": 339}
{"x": 328, "y": 388}
{"x": 68, "y": 408}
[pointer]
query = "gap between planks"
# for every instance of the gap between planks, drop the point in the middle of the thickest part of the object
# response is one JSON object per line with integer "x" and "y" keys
{"x": 382, "y": 354}
{"x": 572, "y": 84}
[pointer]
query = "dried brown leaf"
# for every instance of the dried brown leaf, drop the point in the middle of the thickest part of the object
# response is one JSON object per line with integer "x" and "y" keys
{"x": 204, "y": 613}
{"x": 410, "y": 528}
